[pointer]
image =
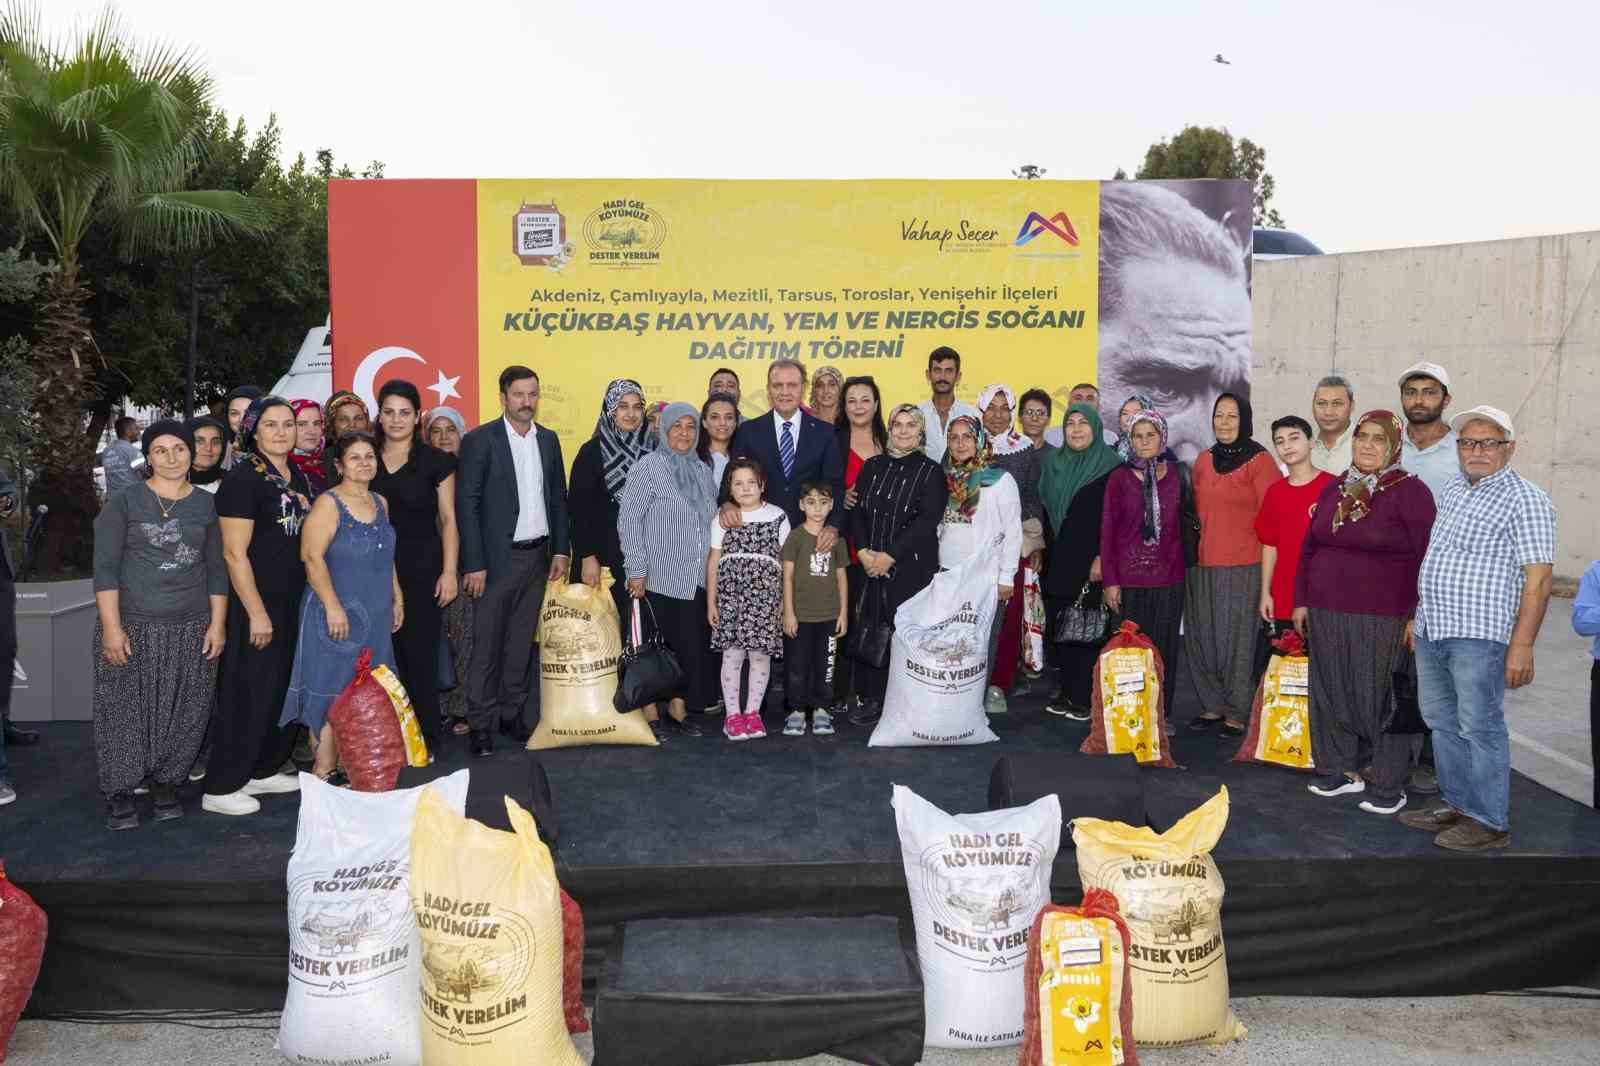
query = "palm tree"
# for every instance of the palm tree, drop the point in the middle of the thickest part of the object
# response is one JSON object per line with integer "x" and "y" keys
{"x": 97, "y": 131}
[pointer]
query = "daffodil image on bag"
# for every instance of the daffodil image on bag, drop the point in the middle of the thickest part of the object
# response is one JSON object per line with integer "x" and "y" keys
{"x": 1080, "y": 1009}
{"x": 1083, "y": 1012}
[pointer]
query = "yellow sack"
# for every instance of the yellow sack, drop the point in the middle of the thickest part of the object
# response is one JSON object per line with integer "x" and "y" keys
{"x": 1125, "y": 705}
{"x": 579, "y": 641}
{"x": 488, "y": 911}
{"x": 410, "y": 728}
{"x": 1170, "y": 893}
{"x": 1280, "y": 723}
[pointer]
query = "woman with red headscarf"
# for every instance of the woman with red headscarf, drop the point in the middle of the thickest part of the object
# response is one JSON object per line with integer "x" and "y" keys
{"x": 1355, "y": 595}
{"x": 309, "y": 439}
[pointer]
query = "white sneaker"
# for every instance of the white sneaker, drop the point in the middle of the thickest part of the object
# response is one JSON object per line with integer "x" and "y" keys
{"x": 266, "y": 786}
{"x": 994, "y": 701}
{"x": 239, "y": 802}
{"x": 1379, "y": 807}
{"x": 795, "y": 724}
{"x": 7, "y": 794}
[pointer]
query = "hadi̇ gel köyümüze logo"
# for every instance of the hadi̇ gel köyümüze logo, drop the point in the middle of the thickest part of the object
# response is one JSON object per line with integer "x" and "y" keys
{"x": 625, "y": 233}
{"x": 539, "y": 236}
{"x": 1036, "y": 224}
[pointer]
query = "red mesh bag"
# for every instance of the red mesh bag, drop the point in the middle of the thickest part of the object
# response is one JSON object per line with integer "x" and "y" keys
{"x": 572, "y": 965}
{"x": 1289, "y": 742}
{"x": 22, "y": 930}
{"x": 1129, "y": 722}
{"x": 1097, "y": 903}
{"x": 367, "y": 731}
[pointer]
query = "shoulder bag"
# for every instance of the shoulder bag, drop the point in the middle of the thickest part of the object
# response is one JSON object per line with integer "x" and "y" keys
{"x": 870, "y": 639}
{"x": 647, "y": 670}
{"x": 1188, "y": 516}
{"x": 1077, "y": 623}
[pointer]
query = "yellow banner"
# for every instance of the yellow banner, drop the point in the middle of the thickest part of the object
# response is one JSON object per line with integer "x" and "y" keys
{"x": 665, "y": 281}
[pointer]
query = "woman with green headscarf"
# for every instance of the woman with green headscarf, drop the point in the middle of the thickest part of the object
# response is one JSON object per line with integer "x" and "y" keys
{"x": 1072, "y": 486}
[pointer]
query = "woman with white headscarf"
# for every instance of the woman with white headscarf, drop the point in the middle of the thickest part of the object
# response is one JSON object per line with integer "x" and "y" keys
{"x": 664, "y": 529}
{"x": 1014, "y": 453}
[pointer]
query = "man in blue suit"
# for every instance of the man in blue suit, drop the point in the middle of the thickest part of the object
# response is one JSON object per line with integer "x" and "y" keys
{"x": 511, "y": 509}
{"x": 792, "y": 447}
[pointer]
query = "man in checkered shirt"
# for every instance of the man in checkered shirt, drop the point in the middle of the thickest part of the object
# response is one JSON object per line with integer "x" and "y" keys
{"x": 1483, "y": 589}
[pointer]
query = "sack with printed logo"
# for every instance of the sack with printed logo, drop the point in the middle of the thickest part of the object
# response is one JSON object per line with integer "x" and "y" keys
{"x": 578, "y": 647}
{"x": 488, "y": 911}
{"x": 977, "y": 881}
{"x": 1125, "y": 704}
{"x": 1169, "y": 891}
{"x": 1280, "y": 717}
{"x": 22, "y": 935}
{"x": 1079, "y": 1005}
{"x": 354, "y": 959}
{"x": 410, "y": 728}
{"x": 366, "y": 728}
{"x": 939, "y": 663}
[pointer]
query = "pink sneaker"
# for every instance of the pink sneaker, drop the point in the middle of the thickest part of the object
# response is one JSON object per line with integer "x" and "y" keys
{"x": 733, "y": 727}
{"x": 754, "y": 728}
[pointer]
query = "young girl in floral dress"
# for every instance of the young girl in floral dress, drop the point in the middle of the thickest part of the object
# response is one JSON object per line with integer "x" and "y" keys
{"x": 744, "y": 595}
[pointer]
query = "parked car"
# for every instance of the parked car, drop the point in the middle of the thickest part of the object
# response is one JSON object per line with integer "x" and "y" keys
{"x": 1271, "y": 243}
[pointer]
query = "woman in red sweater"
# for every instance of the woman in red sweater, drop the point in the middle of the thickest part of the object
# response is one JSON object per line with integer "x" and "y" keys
{"x": 1223, "y": 593}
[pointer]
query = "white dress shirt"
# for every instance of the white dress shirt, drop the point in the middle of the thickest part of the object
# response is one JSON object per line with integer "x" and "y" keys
{"x": 930, "y": 417}
{"x": 794, "y": 427}
{"x": 532, "y": 523}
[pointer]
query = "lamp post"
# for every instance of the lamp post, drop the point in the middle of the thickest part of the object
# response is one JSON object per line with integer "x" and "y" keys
{"x": 1028, "y": 172}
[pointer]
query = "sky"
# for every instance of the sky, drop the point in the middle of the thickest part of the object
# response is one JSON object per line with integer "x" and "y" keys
{"x": 1385, "y": 124}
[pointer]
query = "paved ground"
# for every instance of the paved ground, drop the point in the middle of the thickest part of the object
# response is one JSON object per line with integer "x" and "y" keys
{"x": 1549, "y": 719}
{"x": 1481, "y": 1030}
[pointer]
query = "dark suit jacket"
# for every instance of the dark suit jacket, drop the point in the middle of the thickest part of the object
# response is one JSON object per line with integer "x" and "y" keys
{"x": 817, "y": 458}
{"x": 486, "y": 496}
{"x": 8, "y": 568}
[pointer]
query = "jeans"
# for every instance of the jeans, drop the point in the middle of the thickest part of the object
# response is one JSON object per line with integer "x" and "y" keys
{"x": 1461, "y": 685}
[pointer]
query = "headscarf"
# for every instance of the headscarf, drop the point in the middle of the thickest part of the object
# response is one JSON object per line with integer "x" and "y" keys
{"x": 336, "y": 401}
{"x": 619, "y": 450}
{"x": 1012, "y": 440}
{"x": 966, "y": 480}
{"x": 450, "y": 414}
{"x": 167, "y": 427}
{"x": 295, "y": 504}
{"x": 689, "y": 472}
{"x": 1226, "y": 458}
{"x": 1357, "y": 490}
{"x": 922, "y": 430}
{"x": 1063, "y": 471}
{"x": 1146, "y": 403}
{"x": 310, "y": 463}
{"x": 213, "y": 473}
{"x": 1152, "y": 498}
{"x": 838, "y": 379}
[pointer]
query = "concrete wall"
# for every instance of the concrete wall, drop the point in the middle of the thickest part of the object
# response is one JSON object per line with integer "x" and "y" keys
{"x": 1516, "y": 323}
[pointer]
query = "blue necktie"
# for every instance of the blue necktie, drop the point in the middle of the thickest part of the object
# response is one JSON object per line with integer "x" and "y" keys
{"x": 786, "y": 451}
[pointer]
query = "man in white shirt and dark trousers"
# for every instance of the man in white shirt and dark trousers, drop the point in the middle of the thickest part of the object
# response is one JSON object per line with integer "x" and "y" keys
{"x": 944, "y": 370}
{"x": 511, "y": 508}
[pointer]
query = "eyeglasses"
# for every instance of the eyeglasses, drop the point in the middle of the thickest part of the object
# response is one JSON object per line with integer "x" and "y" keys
{"x": 1467, "y": 444}
{"x": 1035, "y": 412}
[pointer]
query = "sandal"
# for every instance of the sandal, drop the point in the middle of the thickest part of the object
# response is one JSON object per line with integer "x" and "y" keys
{"x": 1231, "y": 729}
{"x": 1202, "y": 722}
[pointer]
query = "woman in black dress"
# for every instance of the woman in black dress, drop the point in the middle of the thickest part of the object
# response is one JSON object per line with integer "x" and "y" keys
{"x": 900, "y": 500}
{"x": 599, "y": 474}
{"x": 419, "y": 482}
{"x": 261, "y": 504}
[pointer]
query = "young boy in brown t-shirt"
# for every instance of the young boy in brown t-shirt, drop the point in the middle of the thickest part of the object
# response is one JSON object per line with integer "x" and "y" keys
{"x": 814, "y": 614}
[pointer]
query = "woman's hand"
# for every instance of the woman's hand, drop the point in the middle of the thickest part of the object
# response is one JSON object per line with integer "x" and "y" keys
{"x": 636, "y": 587}
{"x": 399, "y": 613}
{"x": 1302, "y": 620}
{"x": 1034, "y": 560}
{"x": 1094, "y": 570}
{"x": 445, "y": 590}
{"x": 850, "y": 499}
{"x": 115, "y": 646}
{"x": 216, "y": 639}
{"x": 260, "y": 631}
{"x": 1005, "y": 593}
{"x": 338, "y": 623}
{"x": 589, "y": 570}
{"x": 1266, "y": 608}
{"x": 1410, "y": 638}
{"x": 711, "y": 614}
{"x": 1113, "y": 598}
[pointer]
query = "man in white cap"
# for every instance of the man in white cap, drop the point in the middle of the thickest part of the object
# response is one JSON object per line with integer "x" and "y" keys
{"x": 1483, "y": 589}
{"x": 1428, "y": 448}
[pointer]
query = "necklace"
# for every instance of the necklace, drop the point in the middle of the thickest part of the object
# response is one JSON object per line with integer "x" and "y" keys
{"x": 167, "y": 506}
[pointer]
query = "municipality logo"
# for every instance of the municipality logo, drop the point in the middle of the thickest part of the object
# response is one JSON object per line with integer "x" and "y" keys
{"x": 1035, "y": 224}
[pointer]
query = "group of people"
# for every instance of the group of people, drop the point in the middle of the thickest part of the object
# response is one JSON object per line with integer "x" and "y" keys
{"x": 232, "y": 615}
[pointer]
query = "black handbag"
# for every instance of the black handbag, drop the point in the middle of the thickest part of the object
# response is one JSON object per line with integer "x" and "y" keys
{"x": 647, "y": 670}
{"x": 1079, "y": 624}
{"x": 1405, "y": 710}
{"x": 870, "y": 641}
{"x": 1188, "y": 517}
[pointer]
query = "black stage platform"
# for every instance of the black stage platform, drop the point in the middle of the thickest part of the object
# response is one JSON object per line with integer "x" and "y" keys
{"x": 1322, "y": 898}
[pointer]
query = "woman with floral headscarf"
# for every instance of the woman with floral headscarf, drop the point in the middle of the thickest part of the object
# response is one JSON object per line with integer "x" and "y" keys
{"x": 599, "y": 474}
{"x": 1015, "y": 454}
{"x": 982, "y": 516}
{"x": 827, "y": 388}
{"x": 1355, "y": 595}
{"x": 900, "y": 501}
{"x": 1141, "y": 547}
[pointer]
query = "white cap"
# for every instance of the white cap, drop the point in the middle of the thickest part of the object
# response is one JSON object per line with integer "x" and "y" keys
{"x": 1426, "y": 369}
{"x": 1488, "y": 414}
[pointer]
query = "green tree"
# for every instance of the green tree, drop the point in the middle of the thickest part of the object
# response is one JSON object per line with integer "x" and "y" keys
{"x": 1210, "y": 152}
{"x": 97, "y": 131}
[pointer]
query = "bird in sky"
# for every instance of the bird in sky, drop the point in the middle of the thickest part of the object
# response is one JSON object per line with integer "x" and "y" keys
{"x": 1219, "y": 59}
